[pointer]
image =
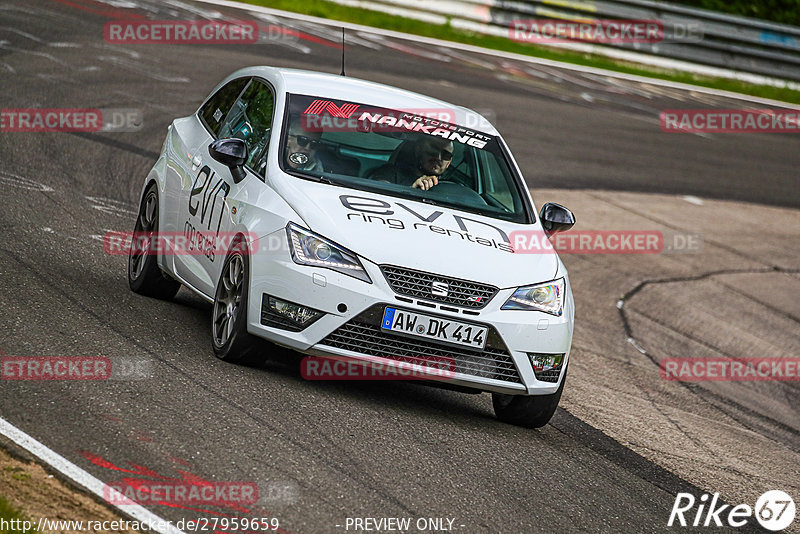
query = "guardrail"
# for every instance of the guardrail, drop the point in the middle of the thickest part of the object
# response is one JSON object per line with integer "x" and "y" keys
{"x": 715, "y": 39}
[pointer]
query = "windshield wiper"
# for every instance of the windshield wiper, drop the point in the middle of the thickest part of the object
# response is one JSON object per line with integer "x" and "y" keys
{"x": 314, "y": 177}
{"x": 445, "y": 204}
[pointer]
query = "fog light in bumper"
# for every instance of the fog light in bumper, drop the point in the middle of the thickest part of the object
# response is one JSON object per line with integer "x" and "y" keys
{"x": 287, "y": 315}
{"x": 546, "y": 367}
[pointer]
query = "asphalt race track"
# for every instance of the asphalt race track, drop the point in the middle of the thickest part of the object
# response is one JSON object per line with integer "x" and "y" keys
{"x": 322, "y": 452}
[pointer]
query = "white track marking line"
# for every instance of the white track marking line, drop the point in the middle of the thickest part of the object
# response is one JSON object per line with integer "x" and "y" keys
{"x": 83, "y": 478}
{"x": 497, "y": 53}
{"x": 691, "y": 199}
{"x": 14, "y": 180}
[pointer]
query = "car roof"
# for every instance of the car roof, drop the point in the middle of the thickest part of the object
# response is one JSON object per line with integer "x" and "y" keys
{"x": 356, "y": 90}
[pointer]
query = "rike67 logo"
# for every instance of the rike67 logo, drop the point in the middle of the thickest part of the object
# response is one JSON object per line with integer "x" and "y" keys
{"x": 774, "y": 510}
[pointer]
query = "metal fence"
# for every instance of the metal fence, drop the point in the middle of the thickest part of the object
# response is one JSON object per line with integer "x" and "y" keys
{"x": 689, "y": 34}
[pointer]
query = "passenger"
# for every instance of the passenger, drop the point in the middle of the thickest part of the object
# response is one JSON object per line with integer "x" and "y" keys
{"x": 301, "y": 148}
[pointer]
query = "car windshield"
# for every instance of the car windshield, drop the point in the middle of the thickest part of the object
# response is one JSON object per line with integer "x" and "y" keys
{"x": 398, "y": 153}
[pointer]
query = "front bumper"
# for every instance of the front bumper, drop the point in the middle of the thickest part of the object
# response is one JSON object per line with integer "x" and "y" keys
{"x": 503, "y": 366}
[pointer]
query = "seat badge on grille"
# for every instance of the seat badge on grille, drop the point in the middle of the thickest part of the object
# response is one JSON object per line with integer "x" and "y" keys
{"x": 439, "y": 289}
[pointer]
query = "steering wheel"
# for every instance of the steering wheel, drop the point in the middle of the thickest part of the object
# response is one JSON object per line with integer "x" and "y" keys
{"x": 455, "y": 189}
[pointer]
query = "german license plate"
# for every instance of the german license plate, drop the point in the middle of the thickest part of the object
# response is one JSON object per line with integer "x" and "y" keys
{"x": 434, "y": 328}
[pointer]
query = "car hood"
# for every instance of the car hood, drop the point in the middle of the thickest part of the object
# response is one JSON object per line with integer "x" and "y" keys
{"x": 416, "y": 235}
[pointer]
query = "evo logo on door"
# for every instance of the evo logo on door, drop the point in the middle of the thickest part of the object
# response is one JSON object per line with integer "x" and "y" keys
{"x": 207, "y": 195}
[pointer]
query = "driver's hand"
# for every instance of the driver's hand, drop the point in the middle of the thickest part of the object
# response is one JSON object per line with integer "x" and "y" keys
{"x": 425, "y": 182}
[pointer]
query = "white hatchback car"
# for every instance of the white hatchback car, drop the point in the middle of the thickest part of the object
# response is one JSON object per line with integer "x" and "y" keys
{"x": 351, "y": 220}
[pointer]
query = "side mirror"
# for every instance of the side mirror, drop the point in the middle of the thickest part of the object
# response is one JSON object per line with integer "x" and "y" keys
{"x": 232, "y": 153}
{"x": 556, "y": 218}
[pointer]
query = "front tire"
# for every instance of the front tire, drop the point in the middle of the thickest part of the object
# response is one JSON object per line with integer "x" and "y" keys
{"x": 144, "y": 275}
{"x": 529, "y": 411}
{"x": 229, "y": 336}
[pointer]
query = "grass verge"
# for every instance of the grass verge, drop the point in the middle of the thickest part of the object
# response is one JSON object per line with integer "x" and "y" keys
{"x": 29, "y": 493}
{"x": 333, "y": 11}
{"x": 12, "y": 520}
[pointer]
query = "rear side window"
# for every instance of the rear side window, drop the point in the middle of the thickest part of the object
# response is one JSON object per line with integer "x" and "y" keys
{"x": 214, "y": 111}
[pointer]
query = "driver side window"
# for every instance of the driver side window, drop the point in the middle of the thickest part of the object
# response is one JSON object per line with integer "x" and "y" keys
{"x": 217, "y": 107}
{"x": 250, "y": 119}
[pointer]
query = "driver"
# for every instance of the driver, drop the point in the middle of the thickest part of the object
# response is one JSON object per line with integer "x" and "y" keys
{"x": 432, "y": 156}
{"x": 301, "y": 147}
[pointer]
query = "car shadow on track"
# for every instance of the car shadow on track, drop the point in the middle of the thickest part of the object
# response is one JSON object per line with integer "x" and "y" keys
{"x": 415, "y": 396}
{"x": 433, "y": 401}
{"x": 420, "y": 397}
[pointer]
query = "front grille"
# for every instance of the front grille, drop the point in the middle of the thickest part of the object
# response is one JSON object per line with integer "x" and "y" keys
{"x": 452, "y": 290}
{"x": 364, "y": 335}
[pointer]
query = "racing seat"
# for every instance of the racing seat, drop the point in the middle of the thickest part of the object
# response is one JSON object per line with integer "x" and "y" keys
{"x": 334, "y": 163}
{"x": 402, "y": 152}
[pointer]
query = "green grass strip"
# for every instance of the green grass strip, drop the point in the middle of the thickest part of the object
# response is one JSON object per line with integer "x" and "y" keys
{"x": 11, "y": 517}
{"x": 376, "y": 19}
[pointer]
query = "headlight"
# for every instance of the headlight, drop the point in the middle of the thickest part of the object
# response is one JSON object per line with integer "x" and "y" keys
{"x": 547, "y": 297}
{"x": 310, "y": 249}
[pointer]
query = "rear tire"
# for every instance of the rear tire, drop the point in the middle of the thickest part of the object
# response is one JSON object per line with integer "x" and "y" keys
{"x": 529, "y": 411}
{"x": 229, "y": 336}
{"x": 144, "y": 275}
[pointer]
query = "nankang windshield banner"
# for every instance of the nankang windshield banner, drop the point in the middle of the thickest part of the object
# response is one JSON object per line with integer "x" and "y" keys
{"x": 328, "y": 115}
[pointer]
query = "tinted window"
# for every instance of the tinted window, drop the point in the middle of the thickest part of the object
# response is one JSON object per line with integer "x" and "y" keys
{"x": 217, "y": 107}
{"x": 250, "y": 119}
{"x": 394, "y": 152}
